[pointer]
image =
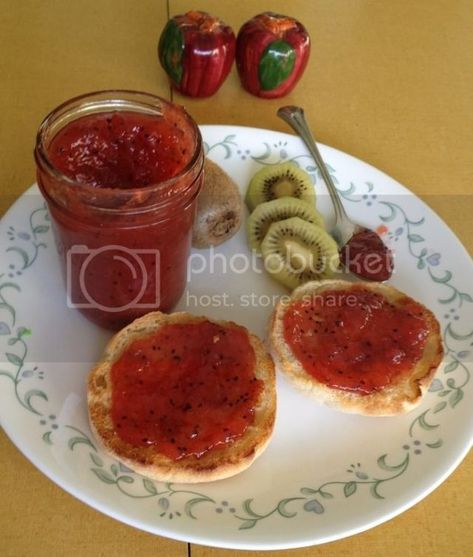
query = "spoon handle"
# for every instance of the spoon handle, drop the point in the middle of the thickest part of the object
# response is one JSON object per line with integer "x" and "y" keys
{"x": 294, "y": 116}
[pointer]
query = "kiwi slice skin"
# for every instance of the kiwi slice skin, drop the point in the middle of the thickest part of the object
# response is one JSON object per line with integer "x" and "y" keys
{"x": 258, "y": 223}
{"x": 281, "y": 180}
{"x": 296, "y": 251}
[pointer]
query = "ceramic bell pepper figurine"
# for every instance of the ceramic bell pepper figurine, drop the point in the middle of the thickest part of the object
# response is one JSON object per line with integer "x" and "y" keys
{"x": 197, "y": 51}
{"x": 271, "y": 55}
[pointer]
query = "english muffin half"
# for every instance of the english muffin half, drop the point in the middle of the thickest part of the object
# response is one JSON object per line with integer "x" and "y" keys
{"x": 183, "y": 398}
{"x": 364, "y": 347}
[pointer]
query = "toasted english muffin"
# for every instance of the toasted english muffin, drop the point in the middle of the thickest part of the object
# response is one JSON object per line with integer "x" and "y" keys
{"x": 400, "y": 394}
{"x": 217, "y": 462}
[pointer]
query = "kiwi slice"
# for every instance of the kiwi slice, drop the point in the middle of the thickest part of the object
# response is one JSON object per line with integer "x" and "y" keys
{"x": 283, "y": 208}
{"x": 282, "y": 180}
{"x": 296, "y": 251}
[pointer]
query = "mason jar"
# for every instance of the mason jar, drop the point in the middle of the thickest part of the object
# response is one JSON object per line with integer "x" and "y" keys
{"x": 120, "y": 172}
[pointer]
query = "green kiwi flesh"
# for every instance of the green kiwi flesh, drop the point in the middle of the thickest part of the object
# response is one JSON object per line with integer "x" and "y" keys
{"x": 296, "y": 251}
{"x": 265, "y": 214}
{"x": 282, "y": 180}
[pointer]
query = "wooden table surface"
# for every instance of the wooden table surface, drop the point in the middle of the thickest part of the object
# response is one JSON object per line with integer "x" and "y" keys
{"x": 388, "y": 82}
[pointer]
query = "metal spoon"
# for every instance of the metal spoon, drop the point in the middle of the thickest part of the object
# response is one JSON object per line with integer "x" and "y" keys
{"x": 344, "y": 229}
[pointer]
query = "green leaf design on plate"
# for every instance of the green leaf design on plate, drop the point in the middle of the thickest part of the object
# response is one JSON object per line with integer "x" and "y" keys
{"x": 14, "y": 359}
{"x": 415, "y": 238}
{"x": 10, "y": 285}
{"x": 452, "y": 366}
{"x": 126, "y": 479}
{"x": 171, "y": 50}
{"x": 103, "y": 475}
{"x": 7, "y": 374}
{"x": 41, "y": 229}
{"x": 455, "y": 398}
{"x": 81, "y": 438}
{"x": 457, "y": 336}
{"x": 392, "y": 213}
{"x": 34, "y": 393}
{"x": 124, "y": 468}
{"x": 191, "y": 503}
{"x": 308, "y": 491}
{"x": 439, "y": 407}
{"x": 95, "y": 458}
{"x": 227, "y": 145}
{"x": 75, "y": 440}
{"x": 4, "y": 305}
{"x": 426, "y": 425}
{"x": 25, "y": 257}
{"x": 349, "y": 489}
{"x": 265, "y": 155}
{"x": 47, "y": 438}
{"x": 450, "y": 298}
{"x": 445, "y": 392}
{"x": 276, "y": 64}
{"x": 435, "y": 445}
{"x": 282, "y": 508}
{"x": 247, "y": 524}
{"x": 432, "y": 260}
{"x": 389, "y": 467}
{"x": 446, "y": 277}
{"x": 246, "y": 505}
{"x": 421, "y": 420}
{"x": 326, "y": 494}
{"x": 149, "y": 486}
{"x": 374, "y": 490}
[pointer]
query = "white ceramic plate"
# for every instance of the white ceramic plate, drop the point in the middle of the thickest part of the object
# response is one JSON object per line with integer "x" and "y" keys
{"x": 325, "y": 475}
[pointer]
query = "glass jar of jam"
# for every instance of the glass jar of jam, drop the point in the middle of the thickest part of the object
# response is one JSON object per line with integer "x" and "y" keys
{"x": 121, "y": 171}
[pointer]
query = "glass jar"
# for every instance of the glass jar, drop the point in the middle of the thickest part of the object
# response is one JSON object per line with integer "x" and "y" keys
{"x": 121, "y": 171}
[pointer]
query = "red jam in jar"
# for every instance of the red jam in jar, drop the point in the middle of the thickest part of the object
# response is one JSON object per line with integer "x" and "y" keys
{"x": 121, "y": 171}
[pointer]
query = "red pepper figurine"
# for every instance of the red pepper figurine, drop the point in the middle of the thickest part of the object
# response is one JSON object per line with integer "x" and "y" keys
{"x": 196, "y": 50}
{"x": 271, "y": 55}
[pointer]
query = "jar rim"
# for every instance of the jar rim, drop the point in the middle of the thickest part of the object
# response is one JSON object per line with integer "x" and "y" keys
{"x": 116, "y": 96}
